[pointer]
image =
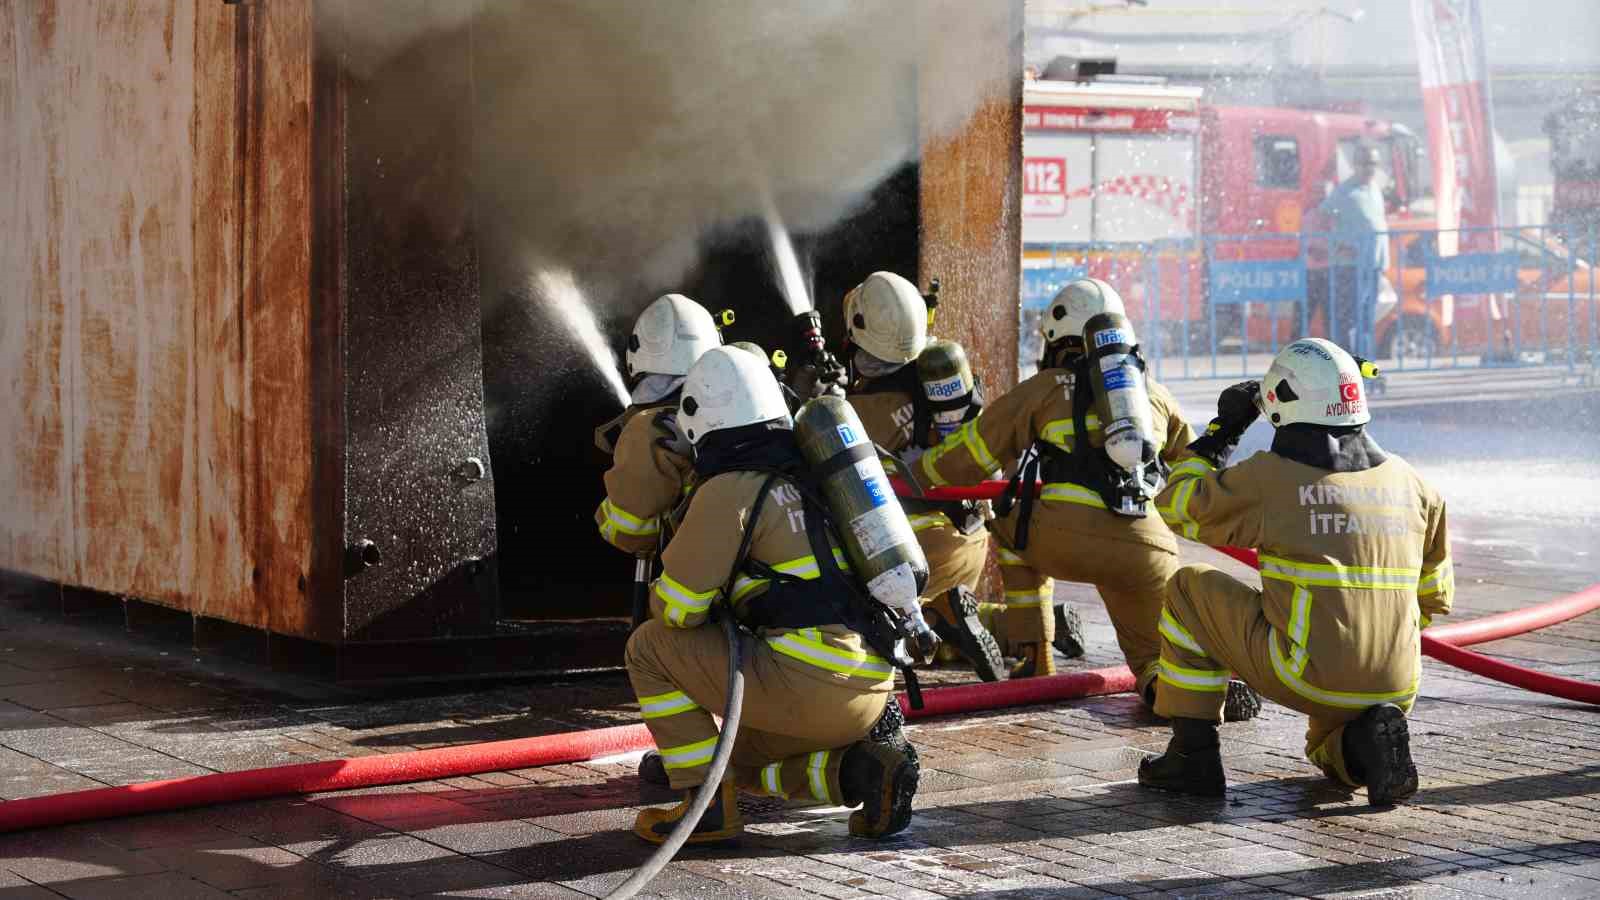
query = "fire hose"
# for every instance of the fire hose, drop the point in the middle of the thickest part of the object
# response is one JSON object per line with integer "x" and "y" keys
{"x": 578, "y": 746}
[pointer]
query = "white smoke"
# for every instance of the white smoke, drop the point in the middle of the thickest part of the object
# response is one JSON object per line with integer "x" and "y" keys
{"x": 613, "y": 134}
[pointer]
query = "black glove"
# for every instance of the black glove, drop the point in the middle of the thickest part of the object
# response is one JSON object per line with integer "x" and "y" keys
{"x": 1237, "y": 408}
{"x": 668, "y": 436}
{"x": 1236, "y": 411}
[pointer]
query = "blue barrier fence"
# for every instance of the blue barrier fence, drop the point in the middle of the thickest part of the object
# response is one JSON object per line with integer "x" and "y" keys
{"x": 1508, "y": 296}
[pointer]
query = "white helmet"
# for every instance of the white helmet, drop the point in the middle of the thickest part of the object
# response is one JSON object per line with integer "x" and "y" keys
{"x": 887, "y": 317}
{"x": 669, "y": 336}
{"x": 1074, "y": 305}
{"x": 1314, "y": 381}
{"x": 729, "y": 388}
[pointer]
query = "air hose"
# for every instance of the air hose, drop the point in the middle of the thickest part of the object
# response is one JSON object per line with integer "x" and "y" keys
{"x": 711, "y": 787}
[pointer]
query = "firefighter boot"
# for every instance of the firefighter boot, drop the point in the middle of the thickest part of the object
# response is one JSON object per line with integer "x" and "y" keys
{"x": 955, "y": 621}
{"x": 1192, "y": 763}
{"x": 652, "y": 770}
{"x": 1033, "y": 660}
{"x": 1241, "y": 705}
{"x": 1069, "y": 632}
{"x": 721, "y": 821}
{"x": 1377, "y": 753}
{"x": 880, "y": 777}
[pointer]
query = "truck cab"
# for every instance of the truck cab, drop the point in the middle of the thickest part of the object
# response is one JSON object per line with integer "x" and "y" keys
{"x": 1264, "y": 167}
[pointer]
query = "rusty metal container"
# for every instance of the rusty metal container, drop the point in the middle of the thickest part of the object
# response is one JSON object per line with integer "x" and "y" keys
{"x": 246, "y": 383}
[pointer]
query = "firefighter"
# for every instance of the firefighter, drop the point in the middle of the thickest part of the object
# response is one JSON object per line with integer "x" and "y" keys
{"x": 885, "y": 328}
{"x": 1355, "y": 560}
{"x": 1072, "y": 532}
{"x": 819, "y": 720}
{"x": 650, "y": 466}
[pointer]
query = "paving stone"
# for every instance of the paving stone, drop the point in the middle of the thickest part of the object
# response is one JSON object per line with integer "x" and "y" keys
{"x": 446, "y": 876}
{"x": 231, "y": 863}
{"x": 51, "y": 856}
{"x": 15, "y": 887}
{"x": 163, "y": 885}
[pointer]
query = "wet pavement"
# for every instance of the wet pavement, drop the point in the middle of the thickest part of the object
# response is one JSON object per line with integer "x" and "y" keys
{"x": 1022, "y": 803}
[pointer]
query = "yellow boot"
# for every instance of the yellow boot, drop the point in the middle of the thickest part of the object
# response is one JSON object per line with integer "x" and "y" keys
{"x": 1033, "y": 660}
{"x": 721, "y": 821}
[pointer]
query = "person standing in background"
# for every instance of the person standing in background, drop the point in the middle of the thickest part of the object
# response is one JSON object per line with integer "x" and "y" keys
{"x": 1353, "y": 216}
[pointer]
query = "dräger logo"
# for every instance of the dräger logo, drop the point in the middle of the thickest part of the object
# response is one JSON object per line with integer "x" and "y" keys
{"x": 1110, "y": 336}
{"x": 941, "y": 390}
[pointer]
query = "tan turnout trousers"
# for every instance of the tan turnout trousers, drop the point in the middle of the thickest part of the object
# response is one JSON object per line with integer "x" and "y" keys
{"x": 809, "y": 692}
{"x": 1353, "y": 564}
{"x": 1072, "y": 536}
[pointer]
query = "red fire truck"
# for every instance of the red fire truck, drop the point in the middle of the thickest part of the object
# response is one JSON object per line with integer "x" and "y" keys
{"x": 1136, "y": 182}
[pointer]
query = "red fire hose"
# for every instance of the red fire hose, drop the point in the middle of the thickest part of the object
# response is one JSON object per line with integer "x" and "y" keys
{"x": 333, "y": 775}
{"x": 495, "y": 756}
{"x": 421, "y": 765}
{"x": 1022, "y": 692}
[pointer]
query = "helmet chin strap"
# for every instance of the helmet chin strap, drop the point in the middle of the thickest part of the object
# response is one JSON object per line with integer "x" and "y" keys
{"x": 1059, "y": 353}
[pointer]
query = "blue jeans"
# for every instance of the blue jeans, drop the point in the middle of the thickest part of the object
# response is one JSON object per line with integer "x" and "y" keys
{"x": 1350, "y": 317}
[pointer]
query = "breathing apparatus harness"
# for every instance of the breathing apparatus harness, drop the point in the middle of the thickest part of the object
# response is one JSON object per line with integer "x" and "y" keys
{"x": 834, "y": 598}
{"x": 1085, "y": 464}
{"x": 789, "y": 602}
{"x": 966, "y": 515}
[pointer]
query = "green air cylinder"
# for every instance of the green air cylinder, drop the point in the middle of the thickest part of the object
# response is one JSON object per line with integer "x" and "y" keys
{"x": 1121, "y": 400}
{"x": 947, "y": 383}
{"x": 878, "y": 539}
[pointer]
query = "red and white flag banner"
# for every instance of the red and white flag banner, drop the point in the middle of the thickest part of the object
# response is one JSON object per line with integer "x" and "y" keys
{"x": 1455, "y": 100}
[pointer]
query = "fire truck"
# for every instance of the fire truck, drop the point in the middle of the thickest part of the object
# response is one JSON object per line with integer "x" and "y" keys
{"x": 1140, "y": 183}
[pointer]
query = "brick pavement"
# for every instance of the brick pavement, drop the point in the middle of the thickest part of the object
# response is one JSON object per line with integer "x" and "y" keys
{"x": 1035, "y": 802}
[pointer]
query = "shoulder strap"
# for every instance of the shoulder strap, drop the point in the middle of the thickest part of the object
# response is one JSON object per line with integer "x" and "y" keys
{"x": 749, "y": 536}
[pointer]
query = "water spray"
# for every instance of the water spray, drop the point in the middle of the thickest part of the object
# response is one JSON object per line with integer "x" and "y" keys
{"x": 791, "y": 281}
{"x": 560, "y": 290}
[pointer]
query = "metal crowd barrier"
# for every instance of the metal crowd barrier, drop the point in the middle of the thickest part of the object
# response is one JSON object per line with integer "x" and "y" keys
{"x": 1523, "y": 296}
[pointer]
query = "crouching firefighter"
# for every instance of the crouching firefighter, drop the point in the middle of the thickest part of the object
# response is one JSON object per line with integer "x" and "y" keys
{"x": 1099, "y": 433}
{"x": 1355, "y": 560}
{"x": 910, "y": 392}
{"x": 650, "y": 467}
{"x": 818, "y": 658}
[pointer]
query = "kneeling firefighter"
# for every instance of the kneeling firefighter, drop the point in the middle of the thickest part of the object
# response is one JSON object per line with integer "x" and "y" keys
{"x": 650, "y": 467}
{"x": 1100, "y": 433}
{"x": 758, "y": 543}
{"x": 910, "y": 392}
{"x": 1355, "y": 560}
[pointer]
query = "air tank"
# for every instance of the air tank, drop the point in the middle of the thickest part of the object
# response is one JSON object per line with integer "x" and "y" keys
{"x": 947, "y": 383}
{"x": 878, "y": 539}
{"x": 1122, "y": 402}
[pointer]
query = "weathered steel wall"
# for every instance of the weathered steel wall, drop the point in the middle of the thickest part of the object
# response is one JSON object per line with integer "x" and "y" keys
{"x": 412, "y": 363}
{"x": 971, "y": 199}
{"x": 156, "y": 221}
{"x": 971, "y": 213}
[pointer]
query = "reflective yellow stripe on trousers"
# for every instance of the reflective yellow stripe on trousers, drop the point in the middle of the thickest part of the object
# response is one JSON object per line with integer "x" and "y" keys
{"x": 1304, "y": 576}
{"x": 806, "y": 645}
